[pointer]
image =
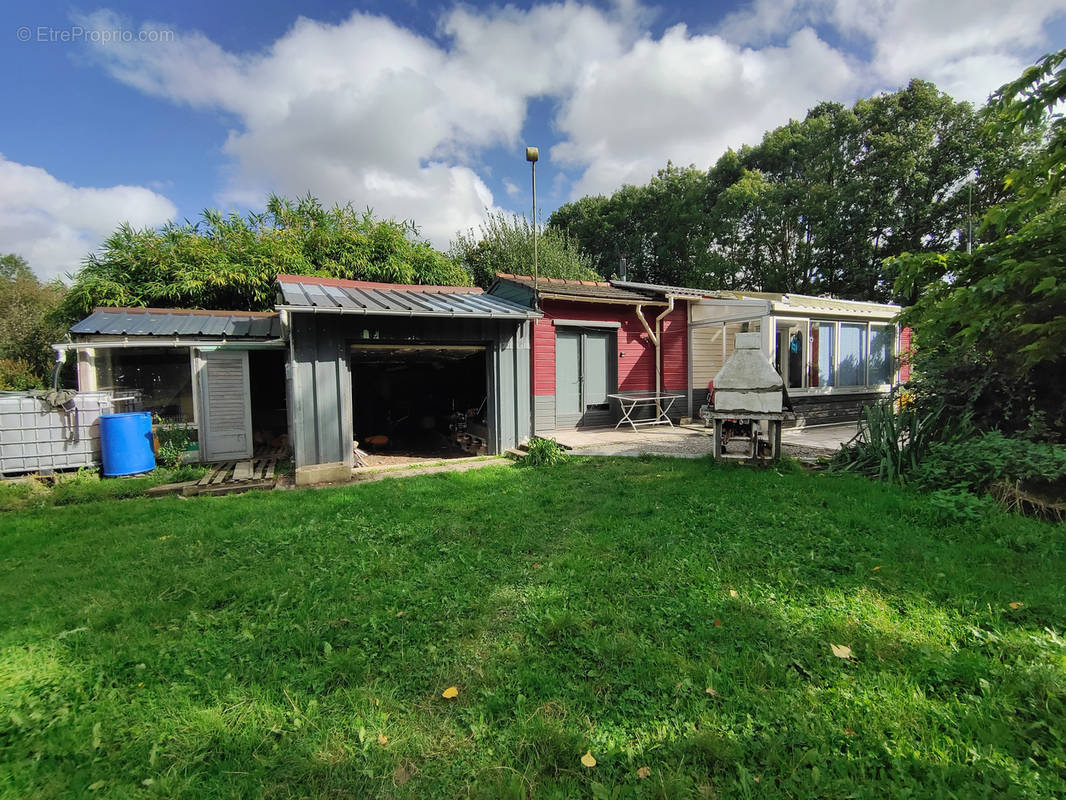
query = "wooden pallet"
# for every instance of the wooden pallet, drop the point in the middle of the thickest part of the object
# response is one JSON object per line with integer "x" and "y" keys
{"x": 230, "y": 477}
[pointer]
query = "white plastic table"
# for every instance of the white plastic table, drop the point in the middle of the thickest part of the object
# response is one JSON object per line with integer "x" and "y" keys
{"x": 630, "y": 402}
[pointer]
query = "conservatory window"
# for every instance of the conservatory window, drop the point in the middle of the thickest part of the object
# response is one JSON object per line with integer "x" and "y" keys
{"x": 851, "y": 370}
{"x": 881, "y": 363}
{"x": 822, "y": 354}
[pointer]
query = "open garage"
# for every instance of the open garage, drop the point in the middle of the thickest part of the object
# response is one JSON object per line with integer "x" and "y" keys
{"x": 407, "y": 372}
{"x": 412, "y": 402}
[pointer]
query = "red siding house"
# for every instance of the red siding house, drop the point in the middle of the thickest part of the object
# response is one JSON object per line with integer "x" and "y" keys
{"x": 597, "y": 339}
{"x": 592, "y": 343}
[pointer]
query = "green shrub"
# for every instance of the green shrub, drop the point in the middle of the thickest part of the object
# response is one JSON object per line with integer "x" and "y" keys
{"x": 544, "y": 451}
{"x": 976, "y": 462}
{"x": 959, "y": 505}
{"x": 173, "y": 440}
{"x": 890, "y": 442}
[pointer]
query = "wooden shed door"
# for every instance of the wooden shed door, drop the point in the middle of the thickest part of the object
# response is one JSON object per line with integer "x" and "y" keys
{"x": 225, "y": 406}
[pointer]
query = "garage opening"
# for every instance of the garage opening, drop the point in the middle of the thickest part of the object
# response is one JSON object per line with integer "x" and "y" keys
{"x": 417, "y": 403}
{"x": 270, "y": 419}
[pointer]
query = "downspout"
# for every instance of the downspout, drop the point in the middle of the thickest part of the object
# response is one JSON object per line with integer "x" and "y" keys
{"x": 656, "y": 339}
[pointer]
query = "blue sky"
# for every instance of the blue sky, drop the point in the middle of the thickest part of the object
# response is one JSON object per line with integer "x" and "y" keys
{"x": 128, "y": 112}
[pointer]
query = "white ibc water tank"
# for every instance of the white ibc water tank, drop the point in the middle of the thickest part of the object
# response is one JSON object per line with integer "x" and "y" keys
{"x": 37, "y": 437}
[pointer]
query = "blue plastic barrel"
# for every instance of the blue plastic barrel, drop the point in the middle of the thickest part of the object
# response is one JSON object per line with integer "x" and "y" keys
{"x": 126, "y": 443}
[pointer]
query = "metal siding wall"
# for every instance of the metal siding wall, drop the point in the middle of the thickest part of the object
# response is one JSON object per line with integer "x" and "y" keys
{"x": 521, "y": 383}
{"x": 505, "y": 392}
{"x": 322, "y": 381}
{"x": 302, "y": 359}
{"x": 321, "y": 384}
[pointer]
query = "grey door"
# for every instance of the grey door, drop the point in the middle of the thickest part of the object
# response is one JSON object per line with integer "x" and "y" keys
{"x": 225, "y": 405}
{"x": 584, "y": 376}
{"x": 568, "y": 376}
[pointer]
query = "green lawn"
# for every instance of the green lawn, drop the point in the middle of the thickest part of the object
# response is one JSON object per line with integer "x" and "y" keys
{"x": 659, "y": 613}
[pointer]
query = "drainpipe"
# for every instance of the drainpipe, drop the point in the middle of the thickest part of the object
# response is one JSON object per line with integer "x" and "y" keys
{"x": 656, "y": 339}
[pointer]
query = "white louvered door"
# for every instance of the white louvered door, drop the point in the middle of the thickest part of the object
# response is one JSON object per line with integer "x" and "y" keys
{"x": 225, "y": 405}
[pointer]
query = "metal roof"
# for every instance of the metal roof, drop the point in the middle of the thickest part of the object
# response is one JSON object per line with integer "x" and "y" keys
{"x": 578, "y": 290}
{"x": 171, "y": 322}
{"x": 309, "y": 293}
{"x": 808, "y": 304}
{"x": 678, "y": 291}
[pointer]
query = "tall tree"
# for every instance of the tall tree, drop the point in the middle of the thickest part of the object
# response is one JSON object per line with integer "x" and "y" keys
{"x": 231, "y": 261}
{"x": 991, "y": 324}
{"x": 816, "y": 207}
{"x": 504, "y": 243}
{"x": 29, "y": 324}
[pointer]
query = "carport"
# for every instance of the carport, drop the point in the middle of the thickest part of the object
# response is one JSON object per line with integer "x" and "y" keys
{"x": 405, "y": 363}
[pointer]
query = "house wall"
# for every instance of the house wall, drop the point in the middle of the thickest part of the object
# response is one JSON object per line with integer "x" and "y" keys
{"x": 634, "y": 351}
{"x": 906, "y": 337}
{"x": 321, "y": 380}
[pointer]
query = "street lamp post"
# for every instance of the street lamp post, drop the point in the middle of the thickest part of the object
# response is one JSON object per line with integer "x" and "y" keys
{"x": 532, "y": 154}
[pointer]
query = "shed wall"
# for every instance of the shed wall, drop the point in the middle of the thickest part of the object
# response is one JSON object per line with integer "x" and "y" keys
{"x": 321, "y": 380}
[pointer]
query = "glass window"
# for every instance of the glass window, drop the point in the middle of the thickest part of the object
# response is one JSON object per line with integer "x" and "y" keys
{"x": 822, "y": 355}
{"x": 789, "y": 355}
{"x": 161, "y": 377}
{"x": 852, "y": 368}
{"x": 882, "y": 363}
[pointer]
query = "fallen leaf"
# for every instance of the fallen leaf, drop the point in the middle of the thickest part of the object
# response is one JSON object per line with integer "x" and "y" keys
{"x": 712, "y": 692}
{"x": 841, "y": 650}
{"x": 536, "y": 566}
{"x": 588, "y": 760}
{"x": 382, "y": 738}
{"x": 757, "y": 778}
{"x": 399, "y": 613}
{"x": 450, "y": 693}
{"x": 876, "y": 568}
{"x": 717, "y": 623}
{"x": 643, "y": 772}
{"x": 734, "y": 593}
{"x": 403, "y": 773}
{"x": 1016, "y": 605}
{"x": 850, "y": 732}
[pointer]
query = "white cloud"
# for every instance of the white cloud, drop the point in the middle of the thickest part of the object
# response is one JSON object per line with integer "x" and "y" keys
{"x": 368, "y": 112}
{"x": 968, "y": 48}
{"x": 54, "y": 225}
{"x": 511, "y": 187}
{"x": 688, "y": 98}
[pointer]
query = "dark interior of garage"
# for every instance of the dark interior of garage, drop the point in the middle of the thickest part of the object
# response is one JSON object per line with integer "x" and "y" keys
{"x": 412, "y": 403}
{"x": 270, "y": 423}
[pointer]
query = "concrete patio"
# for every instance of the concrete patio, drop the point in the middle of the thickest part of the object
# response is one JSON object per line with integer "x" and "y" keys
{"x": 695, "y": 441}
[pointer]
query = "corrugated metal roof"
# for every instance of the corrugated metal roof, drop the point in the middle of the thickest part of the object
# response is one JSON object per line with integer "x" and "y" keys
{"x": 579, "y": 290}
{"x": 808, "y": 304}
{"x": 172, "y": 322}
{"x": 305, "y": 292}
{"x": 679, "y": 291}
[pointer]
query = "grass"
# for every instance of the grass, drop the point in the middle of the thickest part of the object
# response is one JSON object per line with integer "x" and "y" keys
{"x": 86, "y": 485}
{"x": 296, "y": 644}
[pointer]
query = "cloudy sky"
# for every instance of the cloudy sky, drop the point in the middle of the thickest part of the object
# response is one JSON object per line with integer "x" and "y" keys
{"x": 422, "y": 111}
